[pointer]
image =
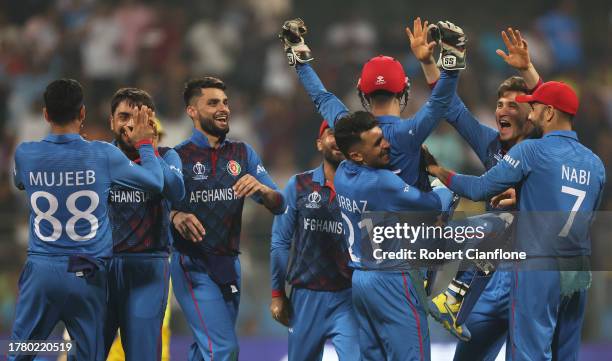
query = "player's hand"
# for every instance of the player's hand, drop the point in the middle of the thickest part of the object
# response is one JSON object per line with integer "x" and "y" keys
{"x": 504, "y": 199}
{"x": 280, "y": 307}
{"x": 291, "y": 36}
{"x": 188, "y": 226}
{"x": 518, "y": 52}
{"x": 249, "y": 185}
{"x": 143, "y": 126}
{"x": 452, "y": 41}
{"x": 421, "y": 48}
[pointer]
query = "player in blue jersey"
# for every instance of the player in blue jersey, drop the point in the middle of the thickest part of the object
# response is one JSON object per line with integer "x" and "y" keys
{"x": 219, "y": 174}
{"x": 67, "y": 181}
{"x": 555, "y": 173}
{"x": 320, "y": 305}
{"x": 389, "y": 307}
{"x": 488, "y": 322}
{"x": 139, "y": 270}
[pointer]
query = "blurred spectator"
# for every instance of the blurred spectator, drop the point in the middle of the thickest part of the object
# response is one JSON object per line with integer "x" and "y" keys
{"x": 561, "y": 29}
{"x": 102, "y": 59}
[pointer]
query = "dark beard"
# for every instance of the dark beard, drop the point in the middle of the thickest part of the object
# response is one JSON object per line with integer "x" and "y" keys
{"x": 129, "y": 151}
{"x": 536, "y": 133}
{"x": 209, "y": 127}
{"x": 329, "y": 158}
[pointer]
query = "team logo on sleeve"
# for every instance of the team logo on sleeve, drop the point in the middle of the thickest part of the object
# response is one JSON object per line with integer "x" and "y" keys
{"x": 313, "y": 200}
{"x": 260, "y": 169}
{"x": 199, "y": 171}
{"x": 233, "y": 168}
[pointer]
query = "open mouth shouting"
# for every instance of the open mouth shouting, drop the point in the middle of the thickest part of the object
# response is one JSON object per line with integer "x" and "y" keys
{"x": 505, "y": 127}
{"x": 222, "y": 120}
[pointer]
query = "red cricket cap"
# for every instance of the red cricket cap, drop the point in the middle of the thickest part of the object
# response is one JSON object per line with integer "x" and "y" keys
{"x": 554, "y": 93}
{"x": 324, "y": 125}
{"x": 382, "y": 73}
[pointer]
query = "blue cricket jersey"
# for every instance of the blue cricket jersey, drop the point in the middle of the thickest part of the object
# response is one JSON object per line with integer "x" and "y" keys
{"x": 555, "y": 173}
{"x": 209, "y": 175}
{"x": 67, "y": 180}
{"x": 405, "y": 135}
{"x": 140, "y": 220}
{"x": 319, "y": 257}
{"x": 361, "y": 189}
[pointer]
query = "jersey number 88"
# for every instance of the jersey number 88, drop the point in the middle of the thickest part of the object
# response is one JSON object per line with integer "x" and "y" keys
{"x": 77, "y": 214}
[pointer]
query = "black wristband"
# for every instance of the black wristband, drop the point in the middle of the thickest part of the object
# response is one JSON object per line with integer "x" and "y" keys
{"x": 172, "y": 218}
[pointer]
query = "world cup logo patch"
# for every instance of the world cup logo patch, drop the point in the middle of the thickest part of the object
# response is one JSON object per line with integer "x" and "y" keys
{"x": 314, "y": 200}
{"x": 233, "y": 168}
{"x": 199, "y": 171}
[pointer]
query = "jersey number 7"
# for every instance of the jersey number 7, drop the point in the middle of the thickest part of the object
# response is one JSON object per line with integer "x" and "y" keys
{"x": 580, "y": 198}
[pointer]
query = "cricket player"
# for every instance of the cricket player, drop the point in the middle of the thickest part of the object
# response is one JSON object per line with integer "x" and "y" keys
{"x": 139, "y": 270}
{"x": 391, "y": 316}
{"x": 308, "y": 251}
{"x": 67, "y": 180}
{"x": 555, "y": 173}
{"x": 488, "y": 321}
{"x": 218, "y": 174}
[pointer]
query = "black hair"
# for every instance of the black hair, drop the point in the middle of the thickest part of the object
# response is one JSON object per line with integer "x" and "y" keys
{"x": 193, "y": 88}
{"x": 133, "y": 96}
{"x": 63, "y": 100}
{"x": 513, "y": 83}
{"x": 348, "y": 129}
{"x": 381, "y": 96}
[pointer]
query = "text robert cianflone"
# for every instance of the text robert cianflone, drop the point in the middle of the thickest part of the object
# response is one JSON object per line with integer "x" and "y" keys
{"x": 438, "y": 255}
{"x": 422, "y": 232}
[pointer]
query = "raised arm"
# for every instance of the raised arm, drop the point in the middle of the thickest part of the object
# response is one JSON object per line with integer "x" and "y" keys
{"x": 328, "y": 105}
{"x": 147, "y": 177}
{"x": 174, "y": 187}
{"x": 518, "y": 57}
{"x": 478, "y": 135}
{"x": 412, "y": 133}
{"x": 299, "y": 55}
{"x": 423, "y": 50}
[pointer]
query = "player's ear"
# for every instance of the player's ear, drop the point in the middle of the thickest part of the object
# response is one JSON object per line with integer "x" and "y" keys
{"x": 319, "y": 145}
{"x": 356, "y": 156}
{"x": 82, "y": 113}
{"x": 550, "y": 113}
{"x": 46, "y": 115}
{"x": 191, "y": 111}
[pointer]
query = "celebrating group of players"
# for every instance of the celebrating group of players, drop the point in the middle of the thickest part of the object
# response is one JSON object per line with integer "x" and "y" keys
{"x": 104, "y": 217}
